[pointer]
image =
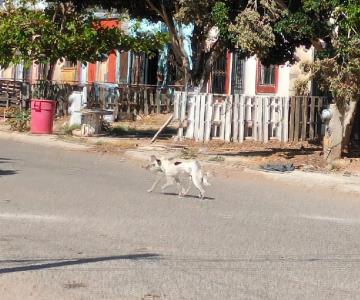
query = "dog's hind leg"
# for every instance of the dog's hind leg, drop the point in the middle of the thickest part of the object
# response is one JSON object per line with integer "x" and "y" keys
{"x": 197, "y": 180}
{"x": 169, "y": 182}
{"x": 180, "y": 188}
{"x": 188, "y": 187}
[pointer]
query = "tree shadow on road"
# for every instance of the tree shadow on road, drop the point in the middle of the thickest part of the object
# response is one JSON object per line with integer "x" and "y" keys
{"x": 73, "y": 262}
{"x": 7, "y": 172}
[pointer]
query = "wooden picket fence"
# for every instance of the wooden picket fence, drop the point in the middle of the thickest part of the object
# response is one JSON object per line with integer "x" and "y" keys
{"x": 239, "y": 117}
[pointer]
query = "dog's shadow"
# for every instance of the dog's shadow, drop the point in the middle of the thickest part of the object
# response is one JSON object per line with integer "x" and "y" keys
{"x": 187, "y": 196}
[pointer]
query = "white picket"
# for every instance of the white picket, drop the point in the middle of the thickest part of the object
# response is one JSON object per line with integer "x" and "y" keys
{"x": 191, "y": 117}
{"x": 202, "y": 118}
{"x": 235, "y": 108}
{"x": 241, "y": 118}
{"x": 266, "y": 119}
{"x": 197, "y": 117}
{"x": 208, "y": 117}
{"x": 228, "y": 115}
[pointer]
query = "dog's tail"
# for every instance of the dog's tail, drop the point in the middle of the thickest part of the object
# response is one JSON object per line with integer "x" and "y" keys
{"x": 204, "y": 179}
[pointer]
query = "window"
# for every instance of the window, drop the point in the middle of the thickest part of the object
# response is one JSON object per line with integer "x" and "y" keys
{"x": 266, "y": 79}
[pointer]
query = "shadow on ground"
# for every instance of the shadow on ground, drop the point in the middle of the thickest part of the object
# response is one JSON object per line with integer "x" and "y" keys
{"x": 71, "y": 262}
{"x": 287, "y": 153}
{"x": 129, "y": 132}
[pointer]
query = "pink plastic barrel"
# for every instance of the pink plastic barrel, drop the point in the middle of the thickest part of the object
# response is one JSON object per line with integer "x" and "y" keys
{"x": 42, "y": 116}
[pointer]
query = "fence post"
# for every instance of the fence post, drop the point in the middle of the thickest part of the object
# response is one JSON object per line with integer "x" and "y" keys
{"x": 311, "y": 120}
{"x": 176, "y": 105}
{"x": 190, "y": 117}
{"x": 304, "y": 118}
{"x": 285, "y": 120}
{"x": 266, "y": 120}
{"x": 241, "y": 118}
{"x": 202, "y": 117}
{"x": 197, "y": 117}
{"x": 158, "y": 101}
{"x": 182, "y": 109}
{"x": 235, "y": 125}
{"x": 146, "y": 103}
{"x": 208, "y": 117}
{"x": 297, "y": 119}
{"x": 222, "y": 120}
{"x": 228, "y": 114}
{"x": 292, "y": 118}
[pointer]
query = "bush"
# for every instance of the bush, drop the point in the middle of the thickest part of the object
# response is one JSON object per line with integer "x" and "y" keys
{"x": 18, "y": 119}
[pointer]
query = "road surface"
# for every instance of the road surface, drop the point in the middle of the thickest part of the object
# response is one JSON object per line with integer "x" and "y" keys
{"x": 80, "y": 225}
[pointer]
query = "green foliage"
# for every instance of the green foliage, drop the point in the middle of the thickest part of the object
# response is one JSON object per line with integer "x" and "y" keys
{"x": 18, "y": 119}
{"x": 28, "y": 34}
{"x": 68, "y": 129}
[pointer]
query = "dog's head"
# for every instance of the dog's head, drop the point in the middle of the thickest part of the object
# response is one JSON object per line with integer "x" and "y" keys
{"x": 154, "y": 164}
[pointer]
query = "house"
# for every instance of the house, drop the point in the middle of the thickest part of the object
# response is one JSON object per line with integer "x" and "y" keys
{"x": 233, "y": 75}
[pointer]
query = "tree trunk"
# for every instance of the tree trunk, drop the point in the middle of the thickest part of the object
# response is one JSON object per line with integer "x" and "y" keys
{"x": 338, "y": 131}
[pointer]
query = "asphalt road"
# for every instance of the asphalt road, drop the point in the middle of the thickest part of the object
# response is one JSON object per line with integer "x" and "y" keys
{"x": 78, "y": 225}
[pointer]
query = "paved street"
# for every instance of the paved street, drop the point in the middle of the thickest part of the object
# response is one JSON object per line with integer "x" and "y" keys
{"x": 79, "y": 225}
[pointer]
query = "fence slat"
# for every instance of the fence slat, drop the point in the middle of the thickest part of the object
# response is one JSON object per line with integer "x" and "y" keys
{"x": 304, "y": 118}
{"x": 266, "y": 119}
{"x": 208, "y": 118}
{"x": 317, "y": 115}
{"x": 292, "y": 118}
{"x": 285, "y": 120}
{"x": 202, "y": 117}
{"x": 177, "y": 98}
{"x": 241, "y": 118}
{"x": 197, "y": 117}
{"x": 297, "y": 118}
{"x": 235, "y": 129}
{"x": 312, "y": 121}
{"x": 222, "y": 120}
{"x": 191, "y": 117}
{"x": 158, "y": 102}
{"x": 182, "y": 108}
{"x": 228, "y": 118}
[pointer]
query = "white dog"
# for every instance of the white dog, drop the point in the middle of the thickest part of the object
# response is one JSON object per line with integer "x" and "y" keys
{"x": 173, "y": 169}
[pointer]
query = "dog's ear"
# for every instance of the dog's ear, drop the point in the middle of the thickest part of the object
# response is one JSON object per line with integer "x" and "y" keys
{"x": 158, "y": 161}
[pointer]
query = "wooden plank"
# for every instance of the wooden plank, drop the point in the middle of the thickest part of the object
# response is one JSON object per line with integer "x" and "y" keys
{"x": 319, "y": 122}
{"x": 182, "y": 108}
{"x": 304, "y": 118}
{"x": 285, "y": 120}
{"x": 312, "y": 119}
{"x": 241, "y": 118}
{"x": 197, "y": 117}
{"x": 278, "y": 116}
{"x": 266, "y": 120}
{"x": 228, "y": 114}
{"x": 235, "y": 109}
{"x": 208, "y": 117}
{"x": 190, "y": 117}
{"x": 146, "y": 103}
{"x": 176, "y": 113}
{"x": 158, "y": 101}
{"x": 292, "y": 118}
{"x": 297, "y": 119}
{"x": 216, "y": 119}
{"x": 152, "y": 103}
{"x": 222, "y": 120}
{"x": 162, "y": 128}
{"x": 201, "y": 132}
{"x": 255, "y": 120}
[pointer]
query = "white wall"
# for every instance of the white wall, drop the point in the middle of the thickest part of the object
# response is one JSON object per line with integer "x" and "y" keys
{"x": 250, "y": 76}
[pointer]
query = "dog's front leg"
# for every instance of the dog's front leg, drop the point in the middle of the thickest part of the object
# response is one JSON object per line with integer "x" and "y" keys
{"x": 157, "y": 180}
